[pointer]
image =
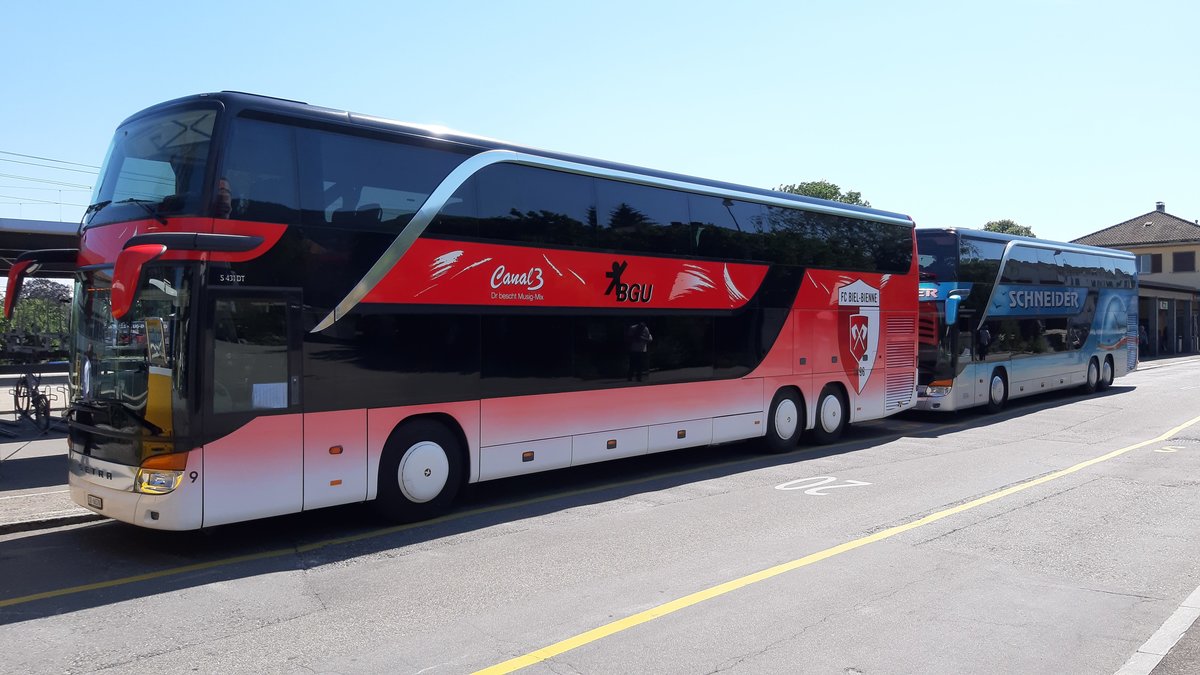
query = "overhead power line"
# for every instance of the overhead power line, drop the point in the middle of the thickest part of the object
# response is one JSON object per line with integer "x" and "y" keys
{"x": 46, "y": 180}
{"x": 47, "y": 166}
{"x": 46, "y": 189}
{"x": 39, "y": 201}
{"x": 47, "y": 159}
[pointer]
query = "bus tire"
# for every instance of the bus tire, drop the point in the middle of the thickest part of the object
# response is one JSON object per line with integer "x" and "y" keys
{"x": 785, "y": 422}
{"x": 831, "y": 415}
{"x": 1092, "y": 380}
{"x": 1106, "y": 373}
{"x": 420, "y": 472}
{"x": 997, "y": 391}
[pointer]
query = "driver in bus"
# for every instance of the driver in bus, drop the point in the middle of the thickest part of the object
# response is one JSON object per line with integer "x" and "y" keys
{"x": 223, "y": 202}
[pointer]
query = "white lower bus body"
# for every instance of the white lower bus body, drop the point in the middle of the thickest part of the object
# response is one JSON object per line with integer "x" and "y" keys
{"x": 997, "y": 381}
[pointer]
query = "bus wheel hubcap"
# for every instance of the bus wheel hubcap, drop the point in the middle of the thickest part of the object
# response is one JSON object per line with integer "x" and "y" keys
{"x": 423, "y": 472}
{"x": 1092, "y": 374}
{"x": 997, "y": 389}
{"x": 1107, "y": 372}
{"x": 787, "y": 418}
{"x": 831, "y": 413}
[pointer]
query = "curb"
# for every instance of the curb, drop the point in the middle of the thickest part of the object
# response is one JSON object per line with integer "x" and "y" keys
{"x": 1166, "y": 362}
{"x": 1150, "y": 654}
{"x": 50, "y": 522}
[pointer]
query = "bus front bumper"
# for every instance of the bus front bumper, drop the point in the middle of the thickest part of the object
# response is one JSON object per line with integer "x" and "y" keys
{"x": 941, "y": 401}
{"x": 106, "y": 488}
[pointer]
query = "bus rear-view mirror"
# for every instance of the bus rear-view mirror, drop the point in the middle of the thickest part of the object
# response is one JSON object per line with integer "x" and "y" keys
{"x": 127, "y": 275}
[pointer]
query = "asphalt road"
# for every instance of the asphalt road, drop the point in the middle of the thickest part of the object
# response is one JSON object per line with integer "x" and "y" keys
{"x": 1055, "y": 537}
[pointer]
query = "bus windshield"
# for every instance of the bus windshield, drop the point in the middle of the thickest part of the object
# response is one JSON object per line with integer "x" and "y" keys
{"x": 938, "y": 255}
{"x": 127, "y": 369}
{"x": 155, "y": 167}
{"x": 935, "y": 353}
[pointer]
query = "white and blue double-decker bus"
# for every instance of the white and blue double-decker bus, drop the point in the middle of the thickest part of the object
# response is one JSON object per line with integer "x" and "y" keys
{"x": 1004, "y": 317}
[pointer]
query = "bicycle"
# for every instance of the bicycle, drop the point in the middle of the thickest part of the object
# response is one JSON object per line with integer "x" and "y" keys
{"x": 30, "y": 402}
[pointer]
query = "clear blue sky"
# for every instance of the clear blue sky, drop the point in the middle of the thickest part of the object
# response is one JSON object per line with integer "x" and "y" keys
{"x": 1067, "y": 116}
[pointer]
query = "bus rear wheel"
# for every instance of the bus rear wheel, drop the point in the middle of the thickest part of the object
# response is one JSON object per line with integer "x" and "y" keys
{"x": 1106, "y": 373}
{"x": 831, "y": 415}
{"x": 785, "y": 422}
{"x": 997, "y": 391}
{"x": 420, "y": 472}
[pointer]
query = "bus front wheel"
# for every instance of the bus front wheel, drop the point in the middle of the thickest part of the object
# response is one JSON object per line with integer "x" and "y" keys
{"x": 997, "y": 391}
{"x": 1093, "y": 377}
{"x": 785, "y": 422}
{"x": 831, "y": 415}
{"x": 420, "y": 472}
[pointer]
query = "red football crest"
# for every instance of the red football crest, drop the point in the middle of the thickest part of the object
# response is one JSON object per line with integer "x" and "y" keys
{"x": 858, "y": 332}
{"x": 860, "y": 325}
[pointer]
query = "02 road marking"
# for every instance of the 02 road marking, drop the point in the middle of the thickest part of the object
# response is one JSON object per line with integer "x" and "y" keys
{"x": 721, "y": 589}
{"x": 816, "y": 485}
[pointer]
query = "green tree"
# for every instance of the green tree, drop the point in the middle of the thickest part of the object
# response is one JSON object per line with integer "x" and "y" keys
{"x": 39, "y": 324}
{"x": 823, "y": 189}
{"x": 1007, "y": 226}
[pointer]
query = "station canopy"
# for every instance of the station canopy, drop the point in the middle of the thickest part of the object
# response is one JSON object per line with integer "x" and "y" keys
{"x": 18, "y": 236}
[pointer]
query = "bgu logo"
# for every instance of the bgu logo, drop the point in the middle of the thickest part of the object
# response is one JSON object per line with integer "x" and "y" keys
{"x": 623, "y": 291}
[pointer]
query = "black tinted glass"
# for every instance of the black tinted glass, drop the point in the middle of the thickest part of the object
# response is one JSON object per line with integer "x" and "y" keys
{"x": 642, "y": 219}
{"x": 366, "y": 182}
{"x": 1022, "y": 267}
{"x": 527, "y": 204}
{"x": 250, "y": 364}
{"x": 979, "y": 260}
{"x": 808, "y": 238}
{"x": 258, "y": 178}
{"x": 937, "y": 254}
{"x": 726, "y": 228}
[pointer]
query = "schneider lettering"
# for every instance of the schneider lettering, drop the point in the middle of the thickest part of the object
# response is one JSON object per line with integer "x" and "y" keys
{"x": 1036, "y": 299}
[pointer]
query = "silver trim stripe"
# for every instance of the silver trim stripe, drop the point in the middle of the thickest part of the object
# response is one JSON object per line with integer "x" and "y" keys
{"x": 438, "y": 198}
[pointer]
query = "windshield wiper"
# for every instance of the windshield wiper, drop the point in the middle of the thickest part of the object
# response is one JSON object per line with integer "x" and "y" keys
{"x": 94, "y": 208}
{"x": 137, "y": 416}
{"x": 97, "y": 405}
{"x": 146, "y": 204}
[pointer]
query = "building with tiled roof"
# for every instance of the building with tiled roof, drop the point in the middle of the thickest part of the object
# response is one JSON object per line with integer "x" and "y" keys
{"x": 1166, "y": 247}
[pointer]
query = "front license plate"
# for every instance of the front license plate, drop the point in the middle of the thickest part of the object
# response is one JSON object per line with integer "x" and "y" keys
{"x": 95, "y": 502}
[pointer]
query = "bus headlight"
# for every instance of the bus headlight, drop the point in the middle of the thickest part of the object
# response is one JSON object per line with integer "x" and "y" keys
{"x": 939, "y": 388}
{"x": 160, "y": 474}
{"x": 157, "y": 481}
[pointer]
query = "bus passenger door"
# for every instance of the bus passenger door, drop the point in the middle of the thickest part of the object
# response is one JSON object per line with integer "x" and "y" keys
{"x": 253, "y": 456}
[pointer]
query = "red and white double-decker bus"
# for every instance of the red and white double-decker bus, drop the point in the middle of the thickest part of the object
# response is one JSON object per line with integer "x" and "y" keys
{"x": 282, "y": 307}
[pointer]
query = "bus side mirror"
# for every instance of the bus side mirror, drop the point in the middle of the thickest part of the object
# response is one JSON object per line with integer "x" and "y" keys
{"x": 127, "y": 275}
{"x": 952, "y": 302}
{"x": 16, "y": 277}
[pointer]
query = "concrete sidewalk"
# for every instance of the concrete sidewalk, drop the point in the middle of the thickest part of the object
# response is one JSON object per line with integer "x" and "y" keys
{"x": 33, "y": 464}
{"x": 33, "y": 484}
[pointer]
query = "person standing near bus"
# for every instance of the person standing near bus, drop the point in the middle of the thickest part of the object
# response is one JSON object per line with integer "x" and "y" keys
{"x": 637, "y": 342}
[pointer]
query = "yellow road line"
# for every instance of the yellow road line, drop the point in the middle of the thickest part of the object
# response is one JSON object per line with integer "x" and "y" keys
{"x": 372, "y": 534}
{"x": 729, "y": 586}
